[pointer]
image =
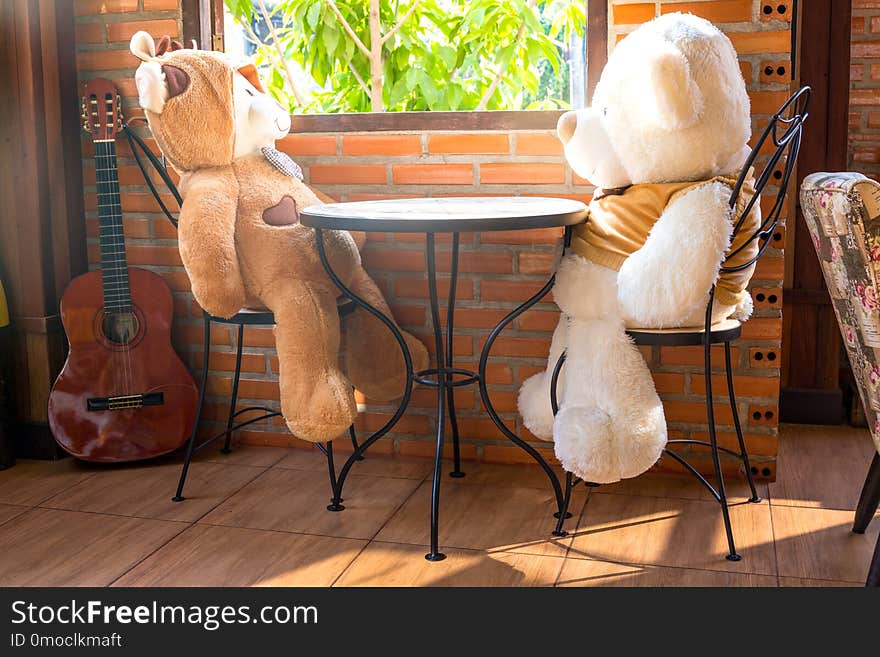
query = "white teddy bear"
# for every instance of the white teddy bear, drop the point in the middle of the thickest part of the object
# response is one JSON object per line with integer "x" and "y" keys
{"x": 664, "y": 141}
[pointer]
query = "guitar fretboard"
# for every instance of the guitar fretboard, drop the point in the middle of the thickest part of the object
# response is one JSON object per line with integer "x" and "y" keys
{"x": 114, "y": 267}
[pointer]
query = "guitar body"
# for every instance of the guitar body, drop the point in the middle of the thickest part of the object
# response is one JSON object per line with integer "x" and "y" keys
{"x": 117, "y": 358}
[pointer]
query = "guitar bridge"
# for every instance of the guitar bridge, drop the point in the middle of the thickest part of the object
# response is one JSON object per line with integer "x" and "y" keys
{"x": 125, "y": 401}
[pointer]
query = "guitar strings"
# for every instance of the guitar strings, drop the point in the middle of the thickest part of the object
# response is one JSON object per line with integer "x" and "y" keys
{"x": 106, "y": 156}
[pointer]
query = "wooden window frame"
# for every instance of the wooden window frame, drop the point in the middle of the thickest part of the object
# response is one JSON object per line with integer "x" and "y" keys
{"x": 203, "y": 22}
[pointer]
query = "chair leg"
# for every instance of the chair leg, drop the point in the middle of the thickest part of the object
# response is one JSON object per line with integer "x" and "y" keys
{"x": 354, "y": 442}
{"x": 190, "y": 446}
{"x": 869, "y": 499}
{"x": 739, "y": 434}
{"x": 873, "y": 580}
{"x": 563, "y": 513}
{"x": 716, "y": 458}
{"x": 227, "y": 443}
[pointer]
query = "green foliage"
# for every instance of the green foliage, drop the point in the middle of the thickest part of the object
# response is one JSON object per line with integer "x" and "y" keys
{"x": 446, "y": 55}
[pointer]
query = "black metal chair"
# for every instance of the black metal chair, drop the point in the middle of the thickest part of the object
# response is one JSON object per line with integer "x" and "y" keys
{"x": 784, "y": 128}
{"x": 245, "y": 317}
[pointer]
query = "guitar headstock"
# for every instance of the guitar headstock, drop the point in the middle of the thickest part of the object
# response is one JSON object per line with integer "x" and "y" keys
{"x": 101, "y": 109}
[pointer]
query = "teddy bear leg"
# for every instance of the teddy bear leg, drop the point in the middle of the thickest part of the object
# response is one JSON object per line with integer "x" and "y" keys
{"x": 316, "y": 398}
{"x": 373, "y": 356}
{"x": 611, "y": 424}
{"x": 534, "y": 395}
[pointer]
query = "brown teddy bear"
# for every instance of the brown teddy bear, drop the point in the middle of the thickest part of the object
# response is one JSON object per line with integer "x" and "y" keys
{"x": 242, "y": 244}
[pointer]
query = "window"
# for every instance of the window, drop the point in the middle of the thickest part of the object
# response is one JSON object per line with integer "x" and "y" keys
{"x": 455, "y": 58}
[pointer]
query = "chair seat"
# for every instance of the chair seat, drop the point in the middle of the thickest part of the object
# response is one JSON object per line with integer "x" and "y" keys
{"x": 723, "y": 331}
{"x": 263, "y": 317}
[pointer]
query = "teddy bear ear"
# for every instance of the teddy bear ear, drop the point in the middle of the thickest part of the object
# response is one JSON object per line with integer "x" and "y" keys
{"x": 152, "y": 86}
{"x": 142, "y": 46}
{"x": 678, "y": 102}
{"x": 249, "y": 71}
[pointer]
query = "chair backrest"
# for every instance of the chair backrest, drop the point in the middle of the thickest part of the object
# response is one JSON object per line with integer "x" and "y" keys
{"x": 784, "y": 130}
{"x": 842, "y": 212}
{"x": 136, "y": 143}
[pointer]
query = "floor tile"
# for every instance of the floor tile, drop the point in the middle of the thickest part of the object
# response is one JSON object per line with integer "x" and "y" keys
{"x": 253, "y": 455}
{"x": 296, "y": 501}
{"x": 483, "y": 517}
{"x": 45, "y": 547}
{"x": 378, "y": 465}
{"x": 206, "y": 555}
{"x": 588, "y": 572}
{"x": 8, "y": 512}
{"x": 30, "y": 482}
{"x": 391, "y": 564}
{"x": 821, "y": 467}
{"x": 146, "y": 490}
{"x": 814, "y": 583}
{"x": 674, "y": 532}
{"x": 501, "y": 474}
{"x": 818, "y": 544}
{"x": 682, "y": 486}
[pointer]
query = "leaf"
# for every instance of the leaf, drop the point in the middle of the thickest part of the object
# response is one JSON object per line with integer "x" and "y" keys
{"x": 313, "y": 15}
{"x": 331, "y": 38}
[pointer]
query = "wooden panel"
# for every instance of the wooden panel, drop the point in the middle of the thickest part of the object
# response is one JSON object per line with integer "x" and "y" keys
{"x": 811, "y": 344}
{"x": 42, "y": 233}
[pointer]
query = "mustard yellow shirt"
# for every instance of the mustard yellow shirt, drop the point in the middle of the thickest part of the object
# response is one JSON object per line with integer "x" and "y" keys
{"x": 619, "y": 223}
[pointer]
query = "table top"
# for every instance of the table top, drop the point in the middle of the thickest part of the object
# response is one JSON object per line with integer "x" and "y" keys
{"x": 442, "y": 215}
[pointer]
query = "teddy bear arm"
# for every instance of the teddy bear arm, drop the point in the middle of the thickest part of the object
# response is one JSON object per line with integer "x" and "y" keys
{"x": 207, "y": 247}
{"x": 317, "y": 399}
{"x": 668, "y": 279}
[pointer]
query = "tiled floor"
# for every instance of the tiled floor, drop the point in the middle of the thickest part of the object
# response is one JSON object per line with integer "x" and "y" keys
{"x": 257, "y": 517}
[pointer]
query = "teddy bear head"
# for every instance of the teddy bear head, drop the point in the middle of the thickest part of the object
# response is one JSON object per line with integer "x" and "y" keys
{"x": 202, "y": 109}
{"x": 670, "y": 105}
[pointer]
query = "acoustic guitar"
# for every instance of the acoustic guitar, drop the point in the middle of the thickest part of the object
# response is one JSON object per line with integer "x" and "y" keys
{"x": 123, "y": 394}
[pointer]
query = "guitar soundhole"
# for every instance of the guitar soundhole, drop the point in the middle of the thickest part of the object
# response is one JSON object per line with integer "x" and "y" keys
{"x": 120, "y": 328}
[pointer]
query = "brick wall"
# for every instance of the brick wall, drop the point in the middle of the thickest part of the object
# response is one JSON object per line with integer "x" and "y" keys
{"x": 864, "y": 98}
{"x": 498, "y": 270}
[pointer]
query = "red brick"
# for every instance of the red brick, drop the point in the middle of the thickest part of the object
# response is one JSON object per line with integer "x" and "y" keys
{"x": 105, "y": 60}
{"x": 381, "y": 144}
{"x": 418, "y": 287}
{"x": 538, "y": 144}
{"x": 633, "y": 13}
{"x": 519, "y": 347}
{"x": 89, "y": 32}
{"x": 518, "y": 291}
{"x": 471, "y": 142}
{"x": 158, "y": 5}
{"x": 307, "y": 145}
{"x": 533, "y": 236}
{"x": 531, "y": 173}
{"x": 348, "y": 174}
{"x": 694, "y": 356}
{"x": 432, "y": 174}
{"x": 535, "y": 263}
{"x": 83, "y": 7}
{"x": 745, "y": 386}
{"x": 720, "y": 11}
{"x": 125, "y": 30}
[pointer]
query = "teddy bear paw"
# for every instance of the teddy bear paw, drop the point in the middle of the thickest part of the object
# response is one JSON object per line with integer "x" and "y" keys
{"x": 534, "y": 406}
{"x": 598, "y": 449}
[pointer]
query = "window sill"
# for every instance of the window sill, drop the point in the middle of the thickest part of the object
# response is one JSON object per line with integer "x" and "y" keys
{"x": 405, "y": 121}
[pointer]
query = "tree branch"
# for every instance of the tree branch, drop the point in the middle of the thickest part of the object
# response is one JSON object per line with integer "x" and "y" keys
{"x": 360, "y": 80}
{"x": 300, "y": 97}
{"x": 400, "y": 23}
{"x": 490, "y": 91}
{"x": 348, "y": 28}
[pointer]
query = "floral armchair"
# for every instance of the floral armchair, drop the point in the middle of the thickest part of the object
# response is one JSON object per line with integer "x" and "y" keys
{"x": 842, "y": 211}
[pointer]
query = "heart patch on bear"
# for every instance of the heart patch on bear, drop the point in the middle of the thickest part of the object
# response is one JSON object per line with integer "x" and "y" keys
{"x": 282, "y": 214}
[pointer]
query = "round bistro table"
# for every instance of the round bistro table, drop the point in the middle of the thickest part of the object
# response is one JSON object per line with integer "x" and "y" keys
{"x": 432, "y": 216}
